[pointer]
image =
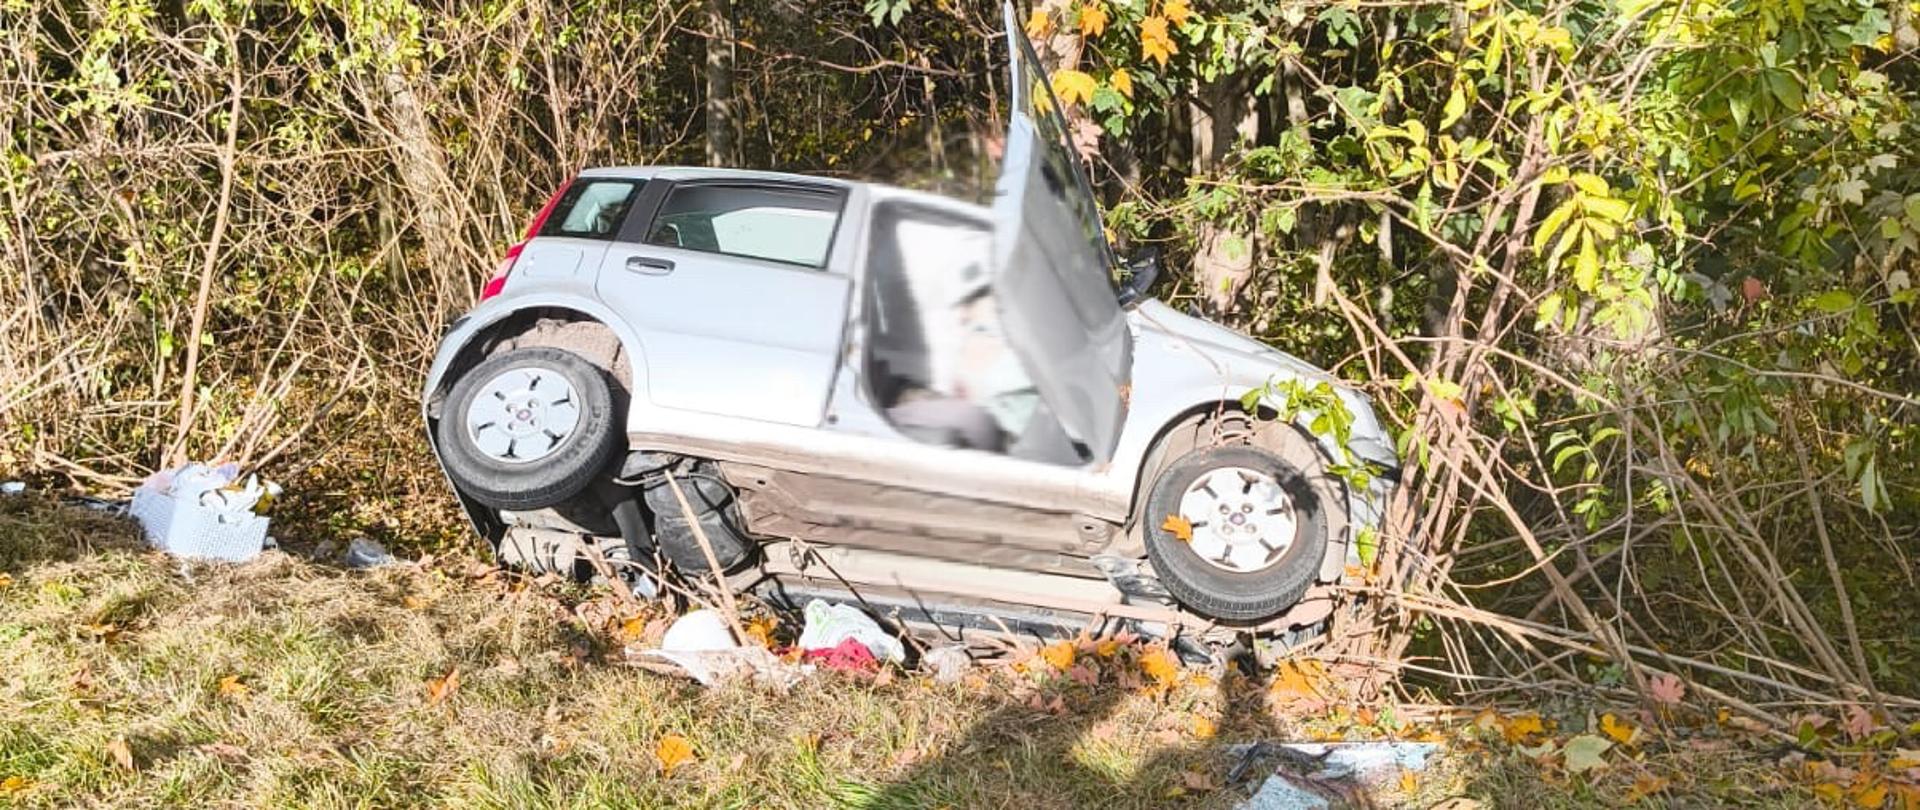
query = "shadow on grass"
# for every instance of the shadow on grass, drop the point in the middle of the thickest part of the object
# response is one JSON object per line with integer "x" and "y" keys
{"x": 37, "y": 529}
{"x": 1063, "y": 760}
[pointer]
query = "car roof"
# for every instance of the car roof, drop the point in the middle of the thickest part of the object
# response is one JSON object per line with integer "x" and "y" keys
{"x": 707, "y": 173}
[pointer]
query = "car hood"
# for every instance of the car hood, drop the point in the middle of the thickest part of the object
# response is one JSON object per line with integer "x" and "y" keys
{"x": 1241, "y": 356}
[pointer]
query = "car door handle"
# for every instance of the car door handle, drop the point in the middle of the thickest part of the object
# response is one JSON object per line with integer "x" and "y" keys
{"x": 649, "y": 266}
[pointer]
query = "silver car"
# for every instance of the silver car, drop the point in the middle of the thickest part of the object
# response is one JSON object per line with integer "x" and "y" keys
{"x": 859, "y": 391}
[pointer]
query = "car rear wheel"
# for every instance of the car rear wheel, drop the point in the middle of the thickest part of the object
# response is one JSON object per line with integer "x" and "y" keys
{"x": 1235, "y": 532}
{"x": 529, "y": 428}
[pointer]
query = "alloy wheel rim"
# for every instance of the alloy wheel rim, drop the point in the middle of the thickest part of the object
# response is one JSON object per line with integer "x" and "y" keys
{"x": 522, "y": 415}
{"x": 1243, "y": 520}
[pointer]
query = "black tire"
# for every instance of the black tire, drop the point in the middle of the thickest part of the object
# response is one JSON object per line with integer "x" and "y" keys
{"x": 564, "y": 471}
{"x": 1226, "y": 595}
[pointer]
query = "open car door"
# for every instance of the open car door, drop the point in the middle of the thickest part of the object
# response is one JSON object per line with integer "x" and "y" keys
{"x": 1053, "y": 269}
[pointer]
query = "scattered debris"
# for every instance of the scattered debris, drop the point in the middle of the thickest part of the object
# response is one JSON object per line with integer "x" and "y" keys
{"x": 847, "y": 655}
{"x": 198, "y": 511}
{"x": 701, "y": 646}
{"x": 829, "y": 626}
{"x": 947, "y": 664}
{"x": 365, "y": 553}
{"x": 13, "y": 487}
{"x": 1308, "y": 772}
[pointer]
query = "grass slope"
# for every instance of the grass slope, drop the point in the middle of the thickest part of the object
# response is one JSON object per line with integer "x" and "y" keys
{"x": 131, "y": 680}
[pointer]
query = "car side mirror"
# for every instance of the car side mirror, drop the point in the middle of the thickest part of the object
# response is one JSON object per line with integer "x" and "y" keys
{"x": 1143, "y": 269}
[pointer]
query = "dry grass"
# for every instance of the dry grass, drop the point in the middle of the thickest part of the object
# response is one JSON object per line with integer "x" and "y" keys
{"x": 134, "y": 681}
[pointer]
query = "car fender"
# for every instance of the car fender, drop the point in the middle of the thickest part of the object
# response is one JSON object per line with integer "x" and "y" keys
{"x": 472, "y": 326}
{"x": 1183, "y": 365}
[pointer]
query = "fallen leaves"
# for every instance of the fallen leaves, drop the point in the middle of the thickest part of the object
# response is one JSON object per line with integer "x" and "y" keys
{"x": 1179, "y": 527}
{"x": 1161, "y": 667}
{"x": 15, "y": 784}
{"x": 1618, "y": 730}
{"x": 231, "y": 688}
{"x": 1667, "y": 689}
{"x": 6, "y": 580}
{"x": 1204, "y": 728}
{"x": 1586, "y": 752}
{"x": 1646, "y": 785}
{"x": 673, "y": 751}
{"x": 120, "y": 754}
{"x": 443, "y": 687}
{"x": 1520, "y": 728}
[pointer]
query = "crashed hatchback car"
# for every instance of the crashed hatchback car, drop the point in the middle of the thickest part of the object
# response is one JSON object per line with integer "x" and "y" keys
{"x": 864, "y": 391}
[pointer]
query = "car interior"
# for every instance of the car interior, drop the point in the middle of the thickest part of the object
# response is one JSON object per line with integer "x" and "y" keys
{"x": 936, "y": 363}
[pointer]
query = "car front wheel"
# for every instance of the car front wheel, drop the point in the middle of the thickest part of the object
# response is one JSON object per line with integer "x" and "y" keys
{"x": 1236, "y": 533}
{"x": 528, "y": 428}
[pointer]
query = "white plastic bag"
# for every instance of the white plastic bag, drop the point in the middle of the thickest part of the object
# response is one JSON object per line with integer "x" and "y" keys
{"x": 828, "y": 625}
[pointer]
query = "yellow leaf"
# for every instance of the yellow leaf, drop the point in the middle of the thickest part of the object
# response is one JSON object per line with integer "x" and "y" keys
{"x": 1058, "y": 655}
{"x": 1093, "y": 20}
{"x": 1409, "y": 782}
{"x": 1620, "y": 730}
{"x": 6, "y": 580}
{"x": 1122, "y": 82}
{"x": 231, "y": 687}
{"x": 1154, "y": 42}
{"x": 633, "y": 629}
{"x": 1161, "y": 666}
{"x": 760, "y": 630}
{"x": 1073, "y": 87}
{"x": 1522, "y": 726}
{"x": 443, "y": 687}
{"x": 1298, "y": 680}
{"x": 1039, "y": 25}
{"x": 1869, "y": 792}
{"x": 673, "y": 751}
{"x": 1645, "y": 785}
{"x": 1177, "y": 11}
{"x": 1106, "y": 648}
{"x": 412, "y": 602}
{"x": 14, "y": 784}
{"x": 1204, "y": 728}
{"x": 1179, "y": 526}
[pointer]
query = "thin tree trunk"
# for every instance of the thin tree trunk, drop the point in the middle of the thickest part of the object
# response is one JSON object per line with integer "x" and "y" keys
{"x": 722, "y": 129}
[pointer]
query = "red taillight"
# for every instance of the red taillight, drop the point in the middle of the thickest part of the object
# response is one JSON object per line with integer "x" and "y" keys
{"x": 499, "y": 281}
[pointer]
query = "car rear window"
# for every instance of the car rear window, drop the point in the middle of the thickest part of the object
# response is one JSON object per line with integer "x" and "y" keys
{"x": 592, "y": 208}
{"x": 782, "y": 224}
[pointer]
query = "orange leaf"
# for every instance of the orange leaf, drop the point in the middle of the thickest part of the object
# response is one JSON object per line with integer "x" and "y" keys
{"x": 1039, "y": 25}
{"x": 6, "y": 580}
{"x": 443, "y": 687}
{"x": 1058, "y": 655}
{"x": 760, "y": 630}
{"x": 231, "y": 687}
{"x": 1161, "y": 666}
{"x": 1177, "y": 11}
{"x": 1204, "y": 728}
{"x": 1093, "y": 20}
{"x": 1179, "y": 526}
{"x": 1122, "y": 82}
{"x": 1298, "y": 680}
{"x": 1154, "y": 42}
{"x": 673, "y": 751}
{"x": 1646, "y": 785}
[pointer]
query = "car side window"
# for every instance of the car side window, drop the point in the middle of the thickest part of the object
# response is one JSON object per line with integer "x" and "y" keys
{"x": 775, "y": 223}
{"x": 592, "y": 209}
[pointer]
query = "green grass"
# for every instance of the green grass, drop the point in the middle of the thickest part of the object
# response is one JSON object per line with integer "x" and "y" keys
{"x": 114, "y": 656}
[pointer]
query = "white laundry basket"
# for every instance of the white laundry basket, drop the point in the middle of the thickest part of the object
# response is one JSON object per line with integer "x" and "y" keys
{"x": 186, "y": 529}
